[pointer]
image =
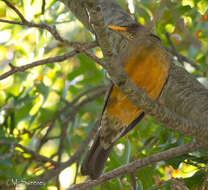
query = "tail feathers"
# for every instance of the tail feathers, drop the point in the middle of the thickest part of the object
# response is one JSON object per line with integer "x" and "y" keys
{"x": 94, "y": 162}
{"x": 96, "y": 157}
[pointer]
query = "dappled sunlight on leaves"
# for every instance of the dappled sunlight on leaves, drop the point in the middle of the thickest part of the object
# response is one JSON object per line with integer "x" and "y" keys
{"x": 38, "y": 104}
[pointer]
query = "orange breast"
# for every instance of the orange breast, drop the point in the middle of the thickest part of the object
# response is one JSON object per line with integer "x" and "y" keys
{"x": 147, "y": 69}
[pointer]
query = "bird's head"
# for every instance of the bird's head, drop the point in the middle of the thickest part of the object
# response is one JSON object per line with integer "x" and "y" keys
{"x": 129, "y": 32}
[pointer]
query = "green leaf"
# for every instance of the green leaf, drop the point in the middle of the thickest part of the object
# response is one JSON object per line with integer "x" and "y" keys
{"x": 175, "y": 162}
{"x": 44, "y": 90}
{"x": 202, "y": 6}
{"x": 145, "y": 175}
{"x": 196, "y": 180}
{"x": 188, "y": 2}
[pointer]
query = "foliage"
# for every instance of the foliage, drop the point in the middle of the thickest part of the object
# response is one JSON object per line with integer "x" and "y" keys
{"x": 30, "y": 100}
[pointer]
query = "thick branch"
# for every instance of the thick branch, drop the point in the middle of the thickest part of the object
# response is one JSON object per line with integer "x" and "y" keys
{"x": 138, "y": 96}
{"x": 161, "y": 113}
{"x": 182, "y": 94}
{"x": 178, "y": 122}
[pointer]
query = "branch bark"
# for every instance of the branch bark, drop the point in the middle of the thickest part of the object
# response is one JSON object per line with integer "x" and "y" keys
{"x": 136, "y": 165}
{"x": 15, "y": 69}
{"x": 183, "y": 95}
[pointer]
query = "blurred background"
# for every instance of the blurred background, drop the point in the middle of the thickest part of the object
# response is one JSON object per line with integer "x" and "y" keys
{"x": 37, "y": 105}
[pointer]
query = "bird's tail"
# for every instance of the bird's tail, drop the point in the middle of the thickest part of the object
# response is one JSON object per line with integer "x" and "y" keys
{"x": 95, "y": 159}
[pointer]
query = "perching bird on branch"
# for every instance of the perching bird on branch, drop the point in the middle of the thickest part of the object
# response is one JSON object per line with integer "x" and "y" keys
{"x": 147, "y": 64}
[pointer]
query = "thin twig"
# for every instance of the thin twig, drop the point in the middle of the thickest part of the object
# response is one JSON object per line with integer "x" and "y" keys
{"x": 180, "y": 57}
{"x": 70, "y": 105}
{"x": 62, "y": 141}
{"x": 16, "y": 10}
{"x": 81, "y": 104}
{"x": 157, "y": 15}
{"x": 173, "y": 48}
{"x": 77, "y": 171}
{"x": 181, "y": 26}
{"x": 53, "y": 31}
{"x": 15, "y": 69}
{"x": 43, "y": 7}
{"x": 34, "y": 154}
{"x": 73, "y": 112}
{"x": 74, "y": 158}
{"x": 12, "y": 22}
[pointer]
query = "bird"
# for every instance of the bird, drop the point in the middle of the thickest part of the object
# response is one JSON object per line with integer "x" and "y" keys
{"x": 147, "y": 64}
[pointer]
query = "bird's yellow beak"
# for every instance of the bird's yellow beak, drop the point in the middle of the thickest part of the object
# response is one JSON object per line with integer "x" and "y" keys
{"x": 117, "y": 28}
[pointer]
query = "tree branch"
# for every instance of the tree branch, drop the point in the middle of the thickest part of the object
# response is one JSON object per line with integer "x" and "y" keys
{"x": 15, "y": 69}
{"x": 74, "y": 158}
{"x": 182, "y": 93}
{"x": 136, "y": 165}
{"x": 180, "y": 57}
{"x": 96, "y": 91}
{"x": 52, "y": 30}
{"x": 43, "y": 6}
{"x": 181, "y": 26}
{"x": 37, "y": 156}
{"x": 33, "y": 154}
{"x": 137, "y": 95}
{"x": 15, "y": 10}
{"x": 77, "y": 156}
